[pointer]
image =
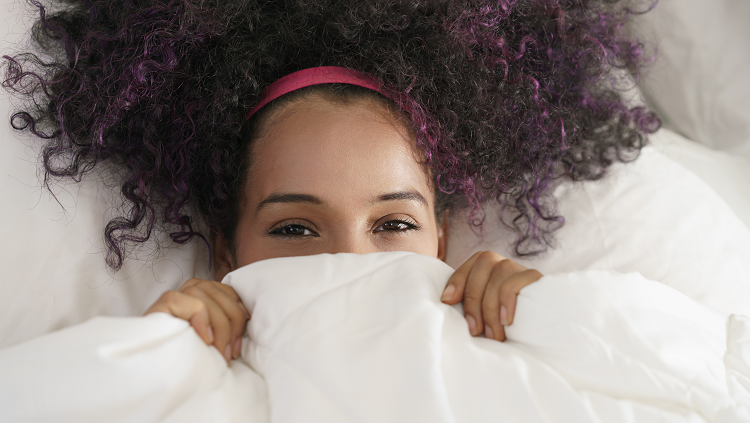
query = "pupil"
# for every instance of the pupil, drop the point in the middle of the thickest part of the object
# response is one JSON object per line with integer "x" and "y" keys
{"x": 294, "y": 230}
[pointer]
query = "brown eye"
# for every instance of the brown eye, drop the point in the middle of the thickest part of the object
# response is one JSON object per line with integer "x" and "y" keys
{"x": 292, "y": 230}
{"x": 397, "y": 225}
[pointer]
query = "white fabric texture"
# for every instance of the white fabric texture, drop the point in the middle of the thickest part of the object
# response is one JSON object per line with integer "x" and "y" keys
{"x": 364, "y": 338}
{"x": 727, "y": 174}
{"x": 699, "y": 81}
{"x": 52, "y": 269}
{"x": 136, "y": 369}
{"x": 651, "y": 216}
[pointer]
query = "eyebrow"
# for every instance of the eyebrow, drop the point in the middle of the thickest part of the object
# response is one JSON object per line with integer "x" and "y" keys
{"x": 288, "y": 198}
{"x": 410, "y": 195}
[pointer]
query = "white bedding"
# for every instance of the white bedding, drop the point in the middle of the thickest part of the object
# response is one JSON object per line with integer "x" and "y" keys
{"x": 53, "y": 275}
{"x": 651, "y": 216}
{"x": 580, "y": 340}
{"x": 365, "y": 338}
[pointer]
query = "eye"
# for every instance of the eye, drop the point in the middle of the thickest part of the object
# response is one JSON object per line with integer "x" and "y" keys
{"x": 291, "y": 230}
{"x": 398, "y": 225}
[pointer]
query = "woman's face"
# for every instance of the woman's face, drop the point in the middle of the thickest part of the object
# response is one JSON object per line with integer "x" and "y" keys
{"x": 329, "y": 177}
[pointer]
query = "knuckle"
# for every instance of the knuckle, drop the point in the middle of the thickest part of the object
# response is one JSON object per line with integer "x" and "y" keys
{"x": 237, "y": 316}
{"x": 473, "y": 296}
{"x": 169, "y": 294}
{"x": 491, "y": 310}
{"x": 228, "y": 289}
{"x": 477, "y": 254}
{"x": 170, "y": 297}
{"x": 489, "y": 257}
{"x": 202, "y": 283}
{"x": 200, "y": 306}
{"x": 190, "y": 282}
{"x": 533, "y": 274}
{"x": 506, "y": 266}
{"x": 190, "y": 290}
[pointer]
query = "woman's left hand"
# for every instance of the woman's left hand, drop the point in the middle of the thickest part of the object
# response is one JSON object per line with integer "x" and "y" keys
{"x": 488, "y": 284}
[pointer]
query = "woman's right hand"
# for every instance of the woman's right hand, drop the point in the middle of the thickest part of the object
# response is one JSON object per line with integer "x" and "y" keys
{"x": 213, "y": 309}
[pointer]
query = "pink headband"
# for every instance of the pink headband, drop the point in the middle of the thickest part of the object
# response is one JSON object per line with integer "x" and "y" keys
{"x": 314, "y": 76}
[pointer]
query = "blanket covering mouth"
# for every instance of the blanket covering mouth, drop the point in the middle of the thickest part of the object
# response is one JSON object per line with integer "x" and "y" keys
{"x": 349, "y": 338}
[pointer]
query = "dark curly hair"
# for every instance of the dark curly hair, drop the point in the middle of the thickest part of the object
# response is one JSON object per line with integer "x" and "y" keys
{"x": 505, "y": 97}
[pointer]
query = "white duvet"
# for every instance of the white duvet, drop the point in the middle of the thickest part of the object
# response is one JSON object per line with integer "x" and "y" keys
{"x": 349, "y": 338}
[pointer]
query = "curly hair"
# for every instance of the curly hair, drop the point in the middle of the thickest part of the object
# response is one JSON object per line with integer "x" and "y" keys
{"x": 505, "y": 97}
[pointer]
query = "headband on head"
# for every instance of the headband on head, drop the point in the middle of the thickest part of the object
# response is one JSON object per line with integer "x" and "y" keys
{"x": 314, "y": 76}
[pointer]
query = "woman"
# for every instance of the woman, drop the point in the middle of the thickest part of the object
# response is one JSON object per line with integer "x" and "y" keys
{"x": 499, "y": 100}
{"x": 335, "y": 169}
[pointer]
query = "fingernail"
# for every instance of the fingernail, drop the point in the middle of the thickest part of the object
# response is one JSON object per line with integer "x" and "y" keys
{"x": 448, "y": 293}
{"x": 210, "y": 336}
{"x": 237, "y": 348}
{"x": 488, "y": 332}
{"x": 504, "y": 316}
{"x": 228, "y": 353}
{"x": 472, "y": 324}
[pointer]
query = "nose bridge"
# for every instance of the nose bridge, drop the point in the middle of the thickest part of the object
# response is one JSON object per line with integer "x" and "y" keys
{"x": 349, "y": 240}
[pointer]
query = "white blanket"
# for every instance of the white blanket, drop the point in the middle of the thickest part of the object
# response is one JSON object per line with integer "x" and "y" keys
{"x": 350, "y": 338}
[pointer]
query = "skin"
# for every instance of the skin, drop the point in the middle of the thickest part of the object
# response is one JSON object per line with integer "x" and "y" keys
{"x": 330, "y": 177}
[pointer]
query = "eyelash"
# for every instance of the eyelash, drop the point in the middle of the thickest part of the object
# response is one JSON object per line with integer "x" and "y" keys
{"x": 411, "y": 225}
{"x": 277, "y": 231}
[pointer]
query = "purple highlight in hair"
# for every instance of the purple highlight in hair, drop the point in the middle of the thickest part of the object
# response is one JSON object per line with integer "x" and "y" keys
{"x": 505, "y": 97}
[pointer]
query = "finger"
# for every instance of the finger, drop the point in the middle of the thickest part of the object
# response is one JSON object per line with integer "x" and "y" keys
{"x": 498, "y": 333}
{"x": 491, "y": 304}
{"x": 454, "y": 289}
{"x": 233, "y": 309}
{"x": 509, "y": 293}
{"x": 228, "y": 290}
{"x": 219, "y": 321}
{"x": 191, "y": 282}
{"x": 500, "y": 336}
{"x": 188, "y": 308}
{"x": 474, "y": 292}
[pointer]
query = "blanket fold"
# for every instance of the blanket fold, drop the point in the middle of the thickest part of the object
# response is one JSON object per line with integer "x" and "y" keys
{"x": 354, "y": 338}
{"x": 350, "y": 338}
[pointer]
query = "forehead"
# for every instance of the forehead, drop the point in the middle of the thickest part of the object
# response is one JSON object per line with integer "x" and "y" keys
{"x": 333, "y": 149}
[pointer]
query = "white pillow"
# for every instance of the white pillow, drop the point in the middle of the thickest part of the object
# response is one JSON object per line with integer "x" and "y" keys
{"x": 652, "y": 216}
{"x": 699, "y": 83}
{"x": 728, "y": 174}
{"x": 52, "y": 270}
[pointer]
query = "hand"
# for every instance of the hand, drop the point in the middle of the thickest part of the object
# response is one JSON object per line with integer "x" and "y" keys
{"x": 488, "y": 283}
{"x": 213, "y": 309}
